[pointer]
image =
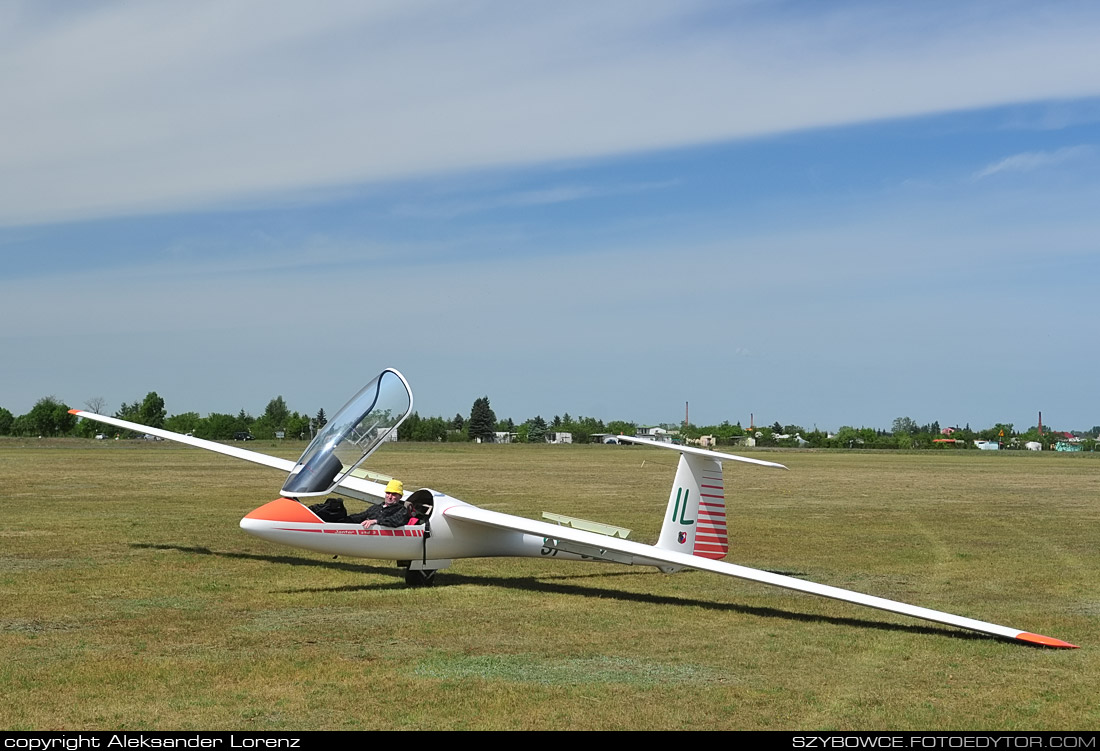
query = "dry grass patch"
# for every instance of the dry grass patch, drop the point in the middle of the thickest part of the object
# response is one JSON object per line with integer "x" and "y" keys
{"x": 132, "y": 599}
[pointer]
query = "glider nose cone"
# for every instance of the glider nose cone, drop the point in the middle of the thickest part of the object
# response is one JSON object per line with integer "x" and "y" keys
{"x": 279, "y": 510}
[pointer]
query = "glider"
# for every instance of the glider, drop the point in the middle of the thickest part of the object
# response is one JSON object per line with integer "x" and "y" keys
{"x": 693, "y": 534}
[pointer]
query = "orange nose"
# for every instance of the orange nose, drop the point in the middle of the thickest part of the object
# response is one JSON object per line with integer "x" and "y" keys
{"x": 285, "y": 510}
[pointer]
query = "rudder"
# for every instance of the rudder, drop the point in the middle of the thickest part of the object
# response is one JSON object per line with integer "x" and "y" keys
{"x": 695, "y": 519}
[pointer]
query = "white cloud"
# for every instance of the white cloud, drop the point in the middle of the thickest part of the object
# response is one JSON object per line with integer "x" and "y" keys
{"x": 525, "y": 198}
{"x": 123, "y": 108}
{"x": 1033, "y": 160}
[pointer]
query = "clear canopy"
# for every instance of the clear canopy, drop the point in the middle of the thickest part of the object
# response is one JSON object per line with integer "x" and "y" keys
{"x": 351, "y": 435}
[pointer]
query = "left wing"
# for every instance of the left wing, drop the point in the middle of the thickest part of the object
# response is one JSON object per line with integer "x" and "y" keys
{"x": 604, "y": 546}
{"x": 357, "y": 487}
{"x": 251, "y": 456}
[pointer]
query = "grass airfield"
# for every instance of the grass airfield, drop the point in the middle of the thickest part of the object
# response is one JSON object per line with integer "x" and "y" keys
{"x": 132, "y": 600}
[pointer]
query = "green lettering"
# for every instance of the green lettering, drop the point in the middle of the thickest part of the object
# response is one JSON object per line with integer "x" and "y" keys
{"x": 684, "y": 514}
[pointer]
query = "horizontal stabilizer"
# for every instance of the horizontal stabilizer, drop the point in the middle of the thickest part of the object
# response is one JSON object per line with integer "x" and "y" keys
{"x": 717, "y": 455}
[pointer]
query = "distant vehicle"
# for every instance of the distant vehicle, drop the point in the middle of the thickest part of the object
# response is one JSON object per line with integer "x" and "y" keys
{"x": 151, "y": 437}
{"x": 242, "y": 436}
{"x": 101, "y": 436}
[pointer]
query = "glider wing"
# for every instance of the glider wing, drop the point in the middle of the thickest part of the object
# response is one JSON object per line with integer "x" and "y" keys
{"x": 650, "y": 555}
{"x": 354, "y": 486}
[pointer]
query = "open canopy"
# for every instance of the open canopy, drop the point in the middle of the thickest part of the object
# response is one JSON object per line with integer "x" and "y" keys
{"x": 351, "y": 435}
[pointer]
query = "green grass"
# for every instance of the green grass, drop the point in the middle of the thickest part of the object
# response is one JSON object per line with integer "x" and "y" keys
{"x": 131, "y": 599}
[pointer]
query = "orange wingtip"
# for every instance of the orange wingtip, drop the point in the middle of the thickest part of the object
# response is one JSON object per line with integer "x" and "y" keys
{"x": 284, "y": 510}
{"x": 1045, "y": 641}
{"x": 74, "y": 411}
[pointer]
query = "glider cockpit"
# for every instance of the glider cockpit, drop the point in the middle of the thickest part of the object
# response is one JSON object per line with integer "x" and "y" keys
{"x": 353, "y": 434}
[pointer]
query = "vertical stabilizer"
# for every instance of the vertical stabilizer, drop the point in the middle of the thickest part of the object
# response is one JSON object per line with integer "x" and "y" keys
{"x": 695, "y": 520}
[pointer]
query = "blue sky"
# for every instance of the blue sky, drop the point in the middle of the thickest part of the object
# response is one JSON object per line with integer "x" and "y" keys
{"x": 822, "y": 213}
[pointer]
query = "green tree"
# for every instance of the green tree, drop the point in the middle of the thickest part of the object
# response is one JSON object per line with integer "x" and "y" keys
{"x": 999, "y": 432}
{"x": 417, "y": 428}
{"x": 904, "y": 426}
{"x": 409, "y": 428}
{"x": 619, "y": 427}
{"x": 217, "y": 426}
{"x": 151, "y": 412}
{"x": 186, "y": 422}
{"x": 6, "y": 420}
{"x": 49, "y": 417}
{"x": 277, "y": 412}
{"x": 582, "y": 428}
{"x": 275, "y": 418}
{"x": 297, "y": 426}
{"x": 22, "y": 425}
{"x": 536, "y": 429}
{"x": 482, "y": 421}
{"x": 130, "y": 412}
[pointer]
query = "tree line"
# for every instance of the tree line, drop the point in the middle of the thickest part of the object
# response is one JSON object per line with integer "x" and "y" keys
{"x": 482, "y": 425}
{"x": 51, "y": 417}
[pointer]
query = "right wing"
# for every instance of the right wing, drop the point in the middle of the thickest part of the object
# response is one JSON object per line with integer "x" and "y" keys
{"x": 604, "y": 547}
{"x": 354, "y": 486}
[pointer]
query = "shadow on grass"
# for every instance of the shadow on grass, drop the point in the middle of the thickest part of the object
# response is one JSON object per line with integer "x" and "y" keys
{"x": 287, "y": 560}
{"x": 555, "y": 585}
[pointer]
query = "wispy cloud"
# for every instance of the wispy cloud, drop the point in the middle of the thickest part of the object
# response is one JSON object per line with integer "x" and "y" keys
{"x": 120, "y": 109}
{"x": 558, "y": 194}
{"x": 1032, "y": 160}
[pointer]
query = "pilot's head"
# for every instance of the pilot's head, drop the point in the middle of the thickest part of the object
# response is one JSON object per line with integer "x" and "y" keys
{"x": 394, "y": 490}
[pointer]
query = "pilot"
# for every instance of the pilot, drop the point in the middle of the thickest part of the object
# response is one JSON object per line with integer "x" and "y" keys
{"x": 390, "y": 513}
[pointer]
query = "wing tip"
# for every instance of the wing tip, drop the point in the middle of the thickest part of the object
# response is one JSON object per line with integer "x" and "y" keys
{"x": 1045, "y": 641}
{"x": 74, "y": 411}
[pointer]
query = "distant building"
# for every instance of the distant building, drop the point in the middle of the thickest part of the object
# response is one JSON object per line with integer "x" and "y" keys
{"x": 559, "y": 437}
{"x": 654, "y": 433}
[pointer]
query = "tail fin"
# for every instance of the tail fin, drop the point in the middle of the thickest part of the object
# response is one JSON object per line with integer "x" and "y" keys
{"x": 695, "y": 520}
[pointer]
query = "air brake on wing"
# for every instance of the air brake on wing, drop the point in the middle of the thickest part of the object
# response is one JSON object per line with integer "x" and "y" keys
{"x": 588, "y": 551}
{"x": 598, "y": 527}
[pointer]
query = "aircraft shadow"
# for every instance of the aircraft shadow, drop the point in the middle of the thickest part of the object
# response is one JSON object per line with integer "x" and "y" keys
{"x": 287, "y": 560}
{"x": 557, "y": 584}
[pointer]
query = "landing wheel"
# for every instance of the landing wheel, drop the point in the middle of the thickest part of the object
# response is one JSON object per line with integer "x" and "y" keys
{"x": 419, "y": 578}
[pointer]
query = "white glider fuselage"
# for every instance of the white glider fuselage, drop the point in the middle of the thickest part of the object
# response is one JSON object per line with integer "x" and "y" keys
{"x": 443, "y": 539}
{"x": 288, "y": 522}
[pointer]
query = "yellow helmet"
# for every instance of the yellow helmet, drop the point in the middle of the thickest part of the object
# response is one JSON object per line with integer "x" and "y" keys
{"x": 395, "y": 486}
